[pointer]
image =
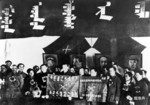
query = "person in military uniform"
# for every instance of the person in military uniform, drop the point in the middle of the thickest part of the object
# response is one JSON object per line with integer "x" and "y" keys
{"x": 140, "y": 91}
{"x": 114, "y": 85}
{"x": 133, "y": 63}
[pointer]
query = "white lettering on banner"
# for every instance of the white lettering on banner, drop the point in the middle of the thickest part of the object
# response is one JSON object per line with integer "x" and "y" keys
{"x": 102, "y": 12}
{"x": 140, "y": 10}
{"x": 36, "y": 19}
{"x": 6, "y": 19}
{"x": 69, "y": 16}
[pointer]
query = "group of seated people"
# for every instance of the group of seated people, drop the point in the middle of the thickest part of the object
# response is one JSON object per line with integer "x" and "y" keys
{"x": 125, "y": 86}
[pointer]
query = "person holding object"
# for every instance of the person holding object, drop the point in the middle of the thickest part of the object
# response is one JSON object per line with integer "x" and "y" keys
{"x": 140, "y": 91}
{"x": 114, "y": 84}
{"x": 126, "y": 90}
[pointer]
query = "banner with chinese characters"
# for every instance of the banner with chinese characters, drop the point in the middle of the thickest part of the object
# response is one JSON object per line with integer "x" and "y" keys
{"x": 62, "y": 86}
{"x": 93, "y": 89}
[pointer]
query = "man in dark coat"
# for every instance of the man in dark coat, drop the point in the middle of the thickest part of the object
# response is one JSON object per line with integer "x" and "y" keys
{"x": 114, "y": 84}
{"x": 140, "y": 91}
{"x": 42, "y": 80}
{"x": 13, "y": 87}
{"x": 3, "y": 72}
{"x": 21, "y": 72}
{"x": 8, "y": 65}
{"x": 147, "y": 81}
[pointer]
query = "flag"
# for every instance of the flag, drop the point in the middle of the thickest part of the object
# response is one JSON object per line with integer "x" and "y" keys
{"x": 93, "y": 89}
{"x": 62, "y": 86}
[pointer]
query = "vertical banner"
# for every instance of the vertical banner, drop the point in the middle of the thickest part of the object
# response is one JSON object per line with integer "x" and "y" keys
{"x": 93, "y": 89}
{"x": 62, "y": 86}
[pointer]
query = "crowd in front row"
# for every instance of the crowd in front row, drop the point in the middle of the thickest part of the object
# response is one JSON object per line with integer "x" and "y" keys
{"x": 125, "y": 86}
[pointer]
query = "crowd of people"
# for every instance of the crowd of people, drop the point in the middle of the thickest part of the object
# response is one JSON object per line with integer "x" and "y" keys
{"x": 125, "y": 85}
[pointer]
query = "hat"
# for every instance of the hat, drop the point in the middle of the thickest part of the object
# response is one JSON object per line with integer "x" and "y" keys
{"x": 28, "y": 71}
{"x": 129, "y": 73}
{"x": 139, "y": 71}
{"x": 133, "y": 57}
{"x": 50, "y": 58}
{"x": 143, "y": 70}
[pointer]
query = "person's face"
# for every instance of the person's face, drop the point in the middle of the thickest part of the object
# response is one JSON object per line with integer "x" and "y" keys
{"x": 37, "y": 68}
{"x": 132, "y": 64}
{"x": 21, "y": 68}
{"x": 44, "y": 69}
{"x": 3, "y": 69}
{"x": 14, "y": 69}
{"x": 103, "y": 61}
{"x": 127, "y": 77}
{"x": 86, "y": 71}
{"x": 31, "y": 73}
{"x": 93, "y": 73}
{"x": 112, "y": 72}
{"x": 72, "y": 70}
{"x": 81, "y": 71}
{"x": 50, "y": 63}
{"x": 8, "y": 64}
{"x": 66, "y": 68}
{"x": 138, "y": 76}
{"x": 75, "y": 60}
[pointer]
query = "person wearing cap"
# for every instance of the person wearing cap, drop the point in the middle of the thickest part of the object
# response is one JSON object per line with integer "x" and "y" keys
{"x": 140, "y": 90}
{"x": 133, "y": 63}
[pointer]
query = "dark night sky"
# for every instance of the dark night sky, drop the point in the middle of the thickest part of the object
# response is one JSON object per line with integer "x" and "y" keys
{"x": 124, "y": 22}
